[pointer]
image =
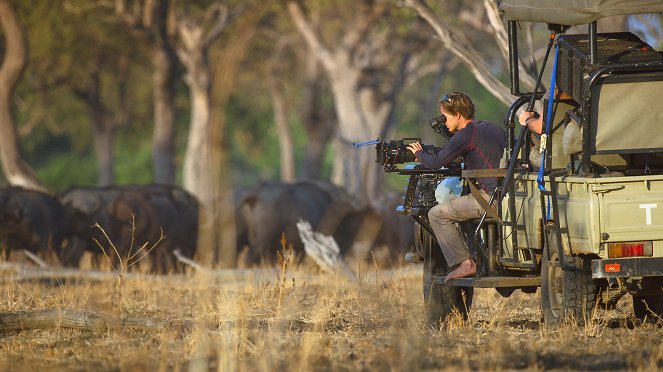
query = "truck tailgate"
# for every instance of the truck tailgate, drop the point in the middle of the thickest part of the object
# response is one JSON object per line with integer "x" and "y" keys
{"x": 630, "y": 209}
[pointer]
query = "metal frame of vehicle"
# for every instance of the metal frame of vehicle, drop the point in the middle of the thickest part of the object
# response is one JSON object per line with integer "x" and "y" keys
{"x": 553, "y": 230}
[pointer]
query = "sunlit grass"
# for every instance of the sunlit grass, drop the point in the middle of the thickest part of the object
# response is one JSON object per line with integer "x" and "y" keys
{"x": 297, "y": 318}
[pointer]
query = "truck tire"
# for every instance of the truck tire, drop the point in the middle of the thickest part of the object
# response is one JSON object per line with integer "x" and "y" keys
{"x": 648, "y": 308}
{"x": 440, "y": 300}
{"x": 566, "y": 295}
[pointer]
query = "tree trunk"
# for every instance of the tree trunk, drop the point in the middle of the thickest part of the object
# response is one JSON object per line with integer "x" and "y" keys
{"x": 319, "y": 125}
{"x": 163, "y": 136}
{"x": 286, "y": 143}
{"x": 103, "y": 143}
{"x": 205, "y": 157}
{"x": 16, "y": 171}
{"x": 360, "y": 118}
{"x": 198, "y": 165}
{"x": 348, "y": 170}
{"x": 103, "y": 126}
{"x": 164, "y": 61}
{"x": 228, "y": 63}
{"x": 151, "y": 20}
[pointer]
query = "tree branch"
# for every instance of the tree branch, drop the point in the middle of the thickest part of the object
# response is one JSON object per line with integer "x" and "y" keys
{"x": 362, "y": 25}
{"x": 502, "y": 37}
{"x": 218, "y": 14}
{"x": 464, "y": 51}
{"x": 310, "y": 35}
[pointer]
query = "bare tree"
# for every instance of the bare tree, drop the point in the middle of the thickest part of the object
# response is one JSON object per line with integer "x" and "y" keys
{"x": 286, "y": 143}
{"x": 196, "y": 34}
{"x": 365, "y": 79}
{"x": 276, "y": 74}
{"x": 318, "y": 120}
{"x": 152, "y": 20}
{"x": 456, "y": 42}
{"x": 463, "y": 50}
{"x": 104, "y": 123}
{"x": 205, "y": 157}
{"x": 15, "y": 169}
{"x": 297, "y": 74}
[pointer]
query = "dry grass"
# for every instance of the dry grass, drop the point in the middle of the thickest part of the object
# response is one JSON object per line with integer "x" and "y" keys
{"x": 305, "y": 320}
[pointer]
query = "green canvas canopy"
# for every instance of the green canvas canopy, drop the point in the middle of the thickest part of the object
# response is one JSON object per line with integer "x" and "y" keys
{"x": 574, "y": 12}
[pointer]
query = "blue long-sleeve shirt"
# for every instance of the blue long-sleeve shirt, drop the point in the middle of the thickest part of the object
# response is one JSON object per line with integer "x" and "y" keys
{"x": 480, "y": 143}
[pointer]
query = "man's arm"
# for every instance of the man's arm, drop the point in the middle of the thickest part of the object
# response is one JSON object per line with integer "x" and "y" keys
{"x": 452, "y": 150}
{"x": 532, "y": 120}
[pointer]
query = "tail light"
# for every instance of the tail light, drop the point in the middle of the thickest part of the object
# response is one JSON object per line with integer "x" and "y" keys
{"x": 630, "y": 249}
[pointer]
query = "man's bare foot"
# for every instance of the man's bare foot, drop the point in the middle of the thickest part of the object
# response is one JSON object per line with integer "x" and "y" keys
{"x": 464, "y": 269}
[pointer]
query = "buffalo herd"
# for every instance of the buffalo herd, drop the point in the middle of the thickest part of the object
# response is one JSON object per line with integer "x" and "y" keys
{"x": 271, "y": 210}
{"x": 121, "y": 224}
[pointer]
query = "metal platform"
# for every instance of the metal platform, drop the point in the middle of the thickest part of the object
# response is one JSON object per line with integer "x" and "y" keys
{"x": 491, "y": 281}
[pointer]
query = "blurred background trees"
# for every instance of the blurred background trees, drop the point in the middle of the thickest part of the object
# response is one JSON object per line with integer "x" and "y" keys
{"x": 217, "y": 95}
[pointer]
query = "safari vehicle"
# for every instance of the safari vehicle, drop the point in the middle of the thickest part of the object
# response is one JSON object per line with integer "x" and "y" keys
{"x": 588, "y": 227}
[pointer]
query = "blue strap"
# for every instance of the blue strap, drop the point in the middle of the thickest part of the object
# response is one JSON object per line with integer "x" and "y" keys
{"x": 551, "y": 96}
{"x": 549, "y": 115}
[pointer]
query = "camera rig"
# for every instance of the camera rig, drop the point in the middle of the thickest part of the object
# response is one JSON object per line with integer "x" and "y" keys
{"x": 420, "y": 192}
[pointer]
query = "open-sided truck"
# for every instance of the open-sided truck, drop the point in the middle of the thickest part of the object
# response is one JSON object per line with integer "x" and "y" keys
{"x": 588, "y": 227}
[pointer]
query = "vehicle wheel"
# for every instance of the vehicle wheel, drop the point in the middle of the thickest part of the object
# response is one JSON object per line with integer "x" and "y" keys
{"x": 441, "y": 300}
{"x": 569, "y": 294}
{"x": 421, "y": 238}
{"x": 648, "y": 308}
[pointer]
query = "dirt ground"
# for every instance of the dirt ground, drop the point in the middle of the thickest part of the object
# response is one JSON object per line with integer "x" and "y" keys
{"x": 298, "y": 319}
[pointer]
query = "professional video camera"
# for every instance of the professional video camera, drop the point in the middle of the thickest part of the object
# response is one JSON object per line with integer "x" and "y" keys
{"x": 390, "y": 153}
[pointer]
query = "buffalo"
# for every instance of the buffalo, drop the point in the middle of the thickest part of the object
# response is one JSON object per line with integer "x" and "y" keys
{"x": 36, "y": 221}
{"x": 122, "y": 219}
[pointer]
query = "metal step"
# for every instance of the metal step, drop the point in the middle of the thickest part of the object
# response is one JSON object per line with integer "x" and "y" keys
{"x": 511, "y": 263}
{"x": 490, "y": 281}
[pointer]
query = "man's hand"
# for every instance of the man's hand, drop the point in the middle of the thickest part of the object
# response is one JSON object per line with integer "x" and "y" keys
{"x": 524, "y": 116}
{"x": 414, "y": 147}
{"x": 531, "y": 120}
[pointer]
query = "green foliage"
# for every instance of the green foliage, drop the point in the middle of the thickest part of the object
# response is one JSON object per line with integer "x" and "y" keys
{"x": 253, "y": 142}
{"x": 133, "y": 160}
{"x": 68, "y": 39}
{"x": 65, "y": 169}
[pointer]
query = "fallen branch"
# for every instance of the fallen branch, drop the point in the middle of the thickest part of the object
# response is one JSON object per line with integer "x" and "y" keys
{"x": 19, "y": 273}
{"x": 190, "y": 262}
{"x": 323, "y": 250}
{"x": 55, "y": 318}
{"x": 100, "y": 323}
{"x": 33, "y": 257}
{"x": 14, "y": 273}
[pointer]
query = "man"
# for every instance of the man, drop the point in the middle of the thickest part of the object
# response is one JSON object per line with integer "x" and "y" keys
{"x": 533, "y": 120}
{"x": 481, "y": 144}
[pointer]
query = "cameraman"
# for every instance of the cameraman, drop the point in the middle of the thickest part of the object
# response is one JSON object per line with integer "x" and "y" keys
{"x": 481, "y": 144}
